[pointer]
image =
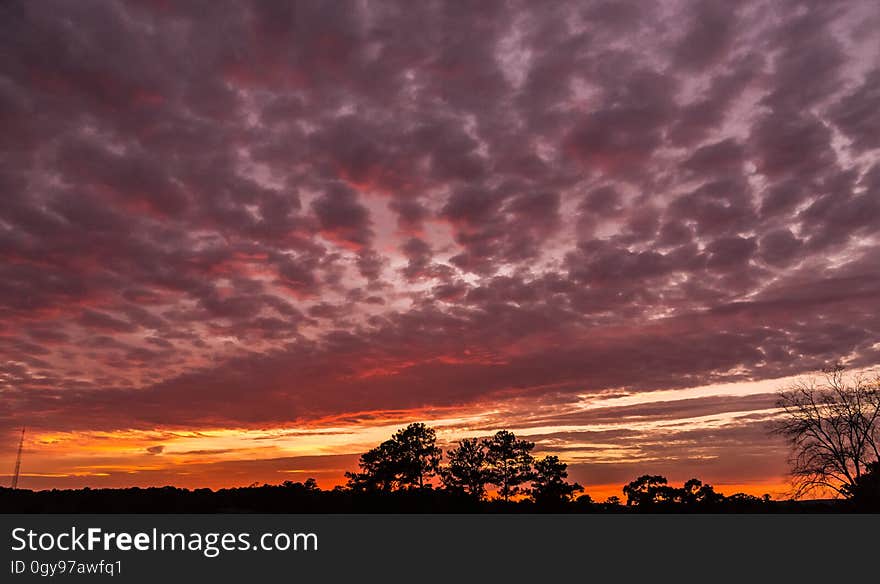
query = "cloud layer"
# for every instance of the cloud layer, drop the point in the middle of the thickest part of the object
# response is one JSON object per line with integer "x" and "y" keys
{"x": 254, "y": 214}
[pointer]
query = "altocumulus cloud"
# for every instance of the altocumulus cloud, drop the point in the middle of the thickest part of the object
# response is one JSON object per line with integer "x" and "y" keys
{"x": 249, "y": 213}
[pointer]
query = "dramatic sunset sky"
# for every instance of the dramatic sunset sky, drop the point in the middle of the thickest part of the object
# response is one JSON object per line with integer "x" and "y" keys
{"x": 245, "y": 241}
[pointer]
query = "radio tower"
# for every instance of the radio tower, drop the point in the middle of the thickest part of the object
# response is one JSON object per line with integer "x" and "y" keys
{"x": 18, "y": 461}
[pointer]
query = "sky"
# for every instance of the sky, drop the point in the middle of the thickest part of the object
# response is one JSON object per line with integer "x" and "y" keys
{"x": 245, "y": 241}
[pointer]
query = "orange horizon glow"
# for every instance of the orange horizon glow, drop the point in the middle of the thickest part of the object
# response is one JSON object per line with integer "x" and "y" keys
{"x": 325, "y": 448}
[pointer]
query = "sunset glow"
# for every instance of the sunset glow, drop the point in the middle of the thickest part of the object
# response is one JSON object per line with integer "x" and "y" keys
{"x": 245, "y": 246}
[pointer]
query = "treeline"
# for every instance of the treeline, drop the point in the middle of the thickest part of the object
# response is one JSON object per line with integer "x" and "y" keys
{"x": 410, "y": 474}
{"x": 305, "y": 497}
{"x": 411, "y": 460}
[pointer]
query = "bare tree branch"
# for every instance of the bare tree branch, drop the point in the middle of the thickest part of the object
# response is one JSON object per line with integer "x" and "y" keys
{"x": 832, "y": 423}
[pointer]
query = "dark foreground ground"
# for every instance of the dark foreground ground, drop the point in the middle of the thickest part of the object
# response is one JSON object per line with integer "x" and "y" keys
{"x": 296, "y": 498}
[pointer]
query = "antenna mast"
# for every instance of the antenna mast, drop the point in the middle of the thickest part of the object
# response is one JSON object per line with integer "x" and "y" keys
{"x": 18, "y": 461}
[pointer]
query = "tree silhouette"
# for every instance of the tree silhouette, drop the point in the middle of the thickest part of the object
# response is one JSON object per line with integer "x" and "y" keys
{"x": 379, "y": 469}
{"x": 466, "y": 468}
{"x": 694, "y": 492}
{"x": 833, "y": 426}
{"x": 865, "y": 493}
{"x": 509, "y": 462}
{"x": 311, "y": 485}
{"x": 648, "y": 490}
{"x": 409, "y": 459}
{"x": 549, "y": 486}
{"x": 651, "y": 490}
{"x": 418, "y": 455}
